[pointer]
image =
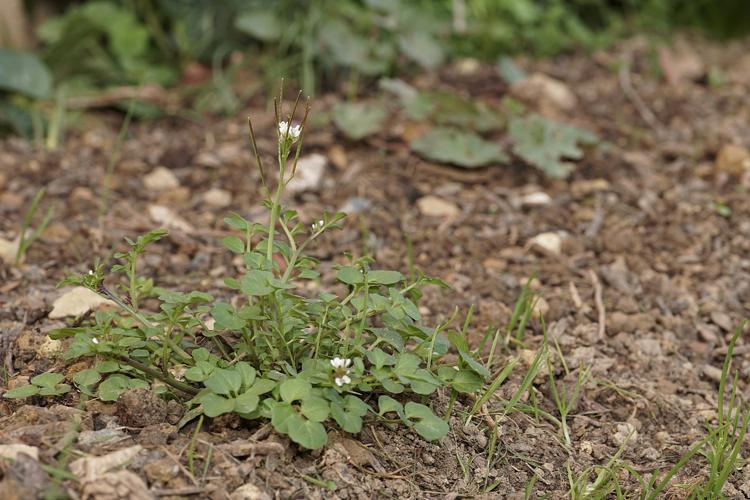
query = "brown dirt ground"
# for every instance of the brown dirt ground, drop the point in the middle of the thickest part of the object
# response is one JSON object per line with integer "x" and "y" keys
{"x": 639, "y": 214}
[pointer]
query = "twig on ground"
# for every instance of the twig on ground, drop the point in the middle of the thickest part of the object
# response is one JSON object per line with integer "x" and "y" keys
{"x": 640, "y": 105}
{"x": 599, "y": 303}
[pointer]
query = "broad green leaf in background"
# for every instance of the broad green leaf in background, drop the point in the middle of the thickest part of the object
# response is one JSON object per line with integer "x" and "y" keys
{"x": 358, "y": 120}
{"x": 545, "y": 144}
{"x": 461, "y": 148}
{"x": 24, "y": 73}
{"x": 423, "y": 48}
{"x": 263, "y": 24}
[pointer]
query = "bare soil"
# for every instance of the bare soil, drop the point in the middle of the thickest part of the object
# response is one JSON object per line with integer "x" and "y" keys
{"x": 651, "y": 220}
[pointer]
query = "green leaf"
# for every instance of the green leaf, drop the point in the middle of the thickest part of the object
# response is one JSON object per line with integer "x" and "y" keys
{"x": 247, "y": 373}
{"x": 22, "y": 392}
{"x": 47, "y": 379}
{"x": 256, "y": 282}
{"x": 392, "y": 386}
{"x": 475, "y": 365}
{"x": 387, "y": 404}
{"x": 315, "y": 408}
{"x": 311, "y": 435}
{"x": 358, "y": 120}
{"x": 24, "y": 73}
{"x": 262, "y": 386}
{"x": 226, "y": 317}
{"x": 261, "y": 24}
{"x": 214, "y": 405}
{"x": 545, "y": 144}
{"x": 237, "y": 222}
{"x": 234, "y": 244}
{"x": 107, "y": 366}
{"x": 57, "y": 390}
{"x": 350, "y": 275}
{"x": 246, "y": 402}
{"x": 112, "y": 387}
{"x": 348, "y": 421}
{"x": 87, "y": 377}
{"x": 467, "y": 382}
{"x": 422, "y": 48}
{"x": 224, "y": 382}
{"x": 385, "y": 277}
{"x": 380, "y": 358}
{"x": 461, "y": 148}
{"x": 406, "y": 364}
{"x": 427, "y": 424}
{"x": 294, "y": 389}
{"x": 281, "y": 413}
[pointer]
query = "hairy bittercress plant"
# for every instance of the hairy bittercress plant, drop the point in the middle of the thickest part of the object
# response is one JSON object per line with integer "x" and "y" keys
{"x": 301, "y": 362}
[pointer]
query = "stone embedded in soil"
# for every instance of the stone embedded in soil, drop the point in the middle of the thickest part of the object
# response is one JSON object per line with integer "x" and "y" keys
{"x": 537, "y": 199}
{"x": 141, "y": 407}
{"x": 75, "y": 302}
{"x": 309, "y": 174}
{"x": 432, "y": 206}
{"x": 550, "y": 94}
{"x": 625, "y": 433}
{"x": 550, "y": 242}
{"x": 8, "y": 250}
{"x": 169, "y": 219}
{"x": 11, "y": 451}
{"x": 712, "y": 372}
{"x": 249, "y": 491}
{"x": 219, "y": 198}
{"x": 24, "y": 478}
{"x": 733, "y": 159}
{"x": 160, "y": 179}
{"x": 722, "y": 320}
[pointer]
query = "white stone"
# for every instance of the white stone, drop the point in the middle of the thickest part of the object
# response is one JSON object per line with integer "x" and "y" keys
{"x": 550, "y": 242}
{"x": 11, "y": 451}
{"x": 160, "y": 179}
{"x": 219, "y": 198}
{"x": 537, "y": 199}
{"x": 546, "y": 90}
{"x": 249, "y": 492}
{"x": 8, "y": 250}
{"x": 167, "y": 218}
{"x": 432, "y": 206}
{"x": 76, "y": 301}
{"x": 309, "y": 173}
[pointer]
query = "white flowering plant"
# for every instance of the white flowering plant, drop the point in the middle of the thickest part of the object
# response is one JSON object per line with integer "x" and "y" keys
{"x": 266, "y": 350}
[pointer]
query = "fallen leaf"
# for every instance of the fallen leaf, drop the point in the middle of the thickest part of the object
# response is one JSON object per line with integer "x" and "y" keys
{"x": 121, "y": 485}
{"x": 75, "y": 302}
{"x": 89, "y": 468}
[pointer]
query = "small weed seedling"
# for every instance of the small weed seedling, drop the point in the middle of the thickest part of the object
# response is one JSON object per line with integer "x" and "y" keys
{"x": 270, "y": 353}
{"x": 26, "y": 238}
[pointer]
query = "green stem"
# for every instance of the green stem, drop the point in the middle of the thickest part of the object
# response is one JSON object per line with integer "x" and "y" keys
{"x": 180, "y": 386}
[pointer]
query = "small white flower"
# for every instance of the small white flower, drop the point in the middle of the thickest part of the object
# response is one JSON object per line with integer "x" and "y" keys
{"x": 341, "y": 363}
{"x": 94, "y": 340}
{"x": 290, "y": 133}
{"x": 341, "y": 370}
{"x": 318, "y": 225}
{"x": 91, "y": 272}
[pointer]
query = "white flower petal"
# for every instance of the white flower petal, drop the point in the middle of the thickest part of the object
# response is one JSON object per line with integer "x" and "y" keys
{"x": 346, "y": 379}
{"x": 339, "y": 381}
{"x": 347, "y": 362}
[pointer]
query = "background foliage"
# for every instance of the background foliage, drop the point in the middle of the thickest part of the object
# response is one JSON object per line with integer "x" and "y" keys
{"x": 101, "y": 44}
